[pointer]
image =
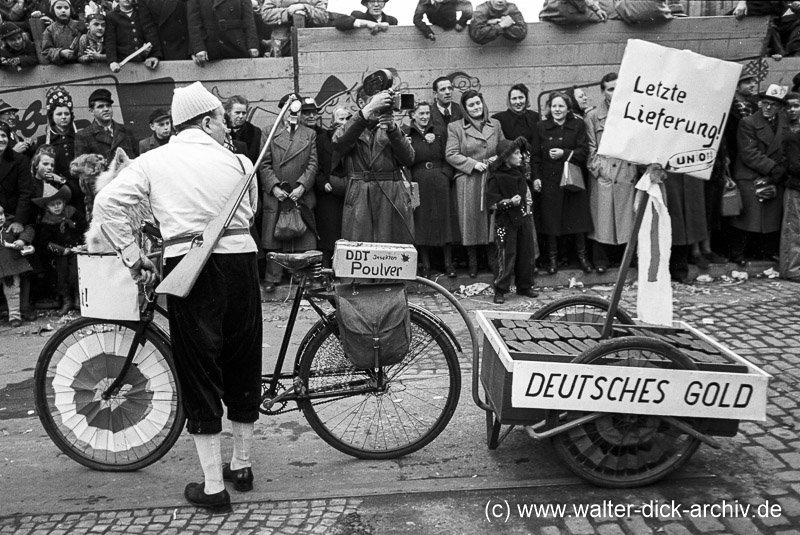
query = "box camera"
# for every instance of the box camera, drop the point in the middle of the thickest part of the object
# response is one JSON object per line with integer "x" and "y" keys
{"x": 383, "y": 80}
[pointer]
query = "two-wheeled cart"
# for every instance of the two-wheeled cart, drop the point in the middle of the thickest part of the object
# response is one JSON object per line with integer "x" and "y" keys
{"x": 624, "y": 404}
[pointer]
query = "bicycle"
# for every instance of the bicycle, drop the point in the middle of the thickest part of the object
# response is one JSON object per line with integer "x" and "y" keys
{"x": 106, "y": 393}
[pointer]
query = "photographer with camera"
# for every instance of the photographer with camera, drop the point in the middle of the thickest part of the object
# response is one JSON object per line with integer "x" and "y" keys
{"x": 377, "y": 205}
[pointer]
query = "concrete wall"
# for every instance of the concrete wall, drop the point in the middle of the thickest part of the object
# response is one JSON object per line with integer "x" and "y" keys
{"x": 550, "y": 57}
{"x": 329, "y": 61}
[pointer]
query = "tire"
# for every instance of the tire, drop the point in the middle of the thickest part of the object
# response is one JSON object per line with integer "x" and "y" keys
{"x": 412, "y": 410}
{"x": 626, "y": 450}
{"x": 580, "y": 308}
{"x": 133, "y": 429}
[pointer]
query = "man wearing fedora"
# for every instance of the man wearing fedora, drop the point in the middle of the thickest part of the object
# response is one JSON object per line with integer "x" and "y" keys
{"x": 760, "y": 168}
{"x": 8, "y": 115}
{"x": 104, "y": 135}
{"x": 216, "y": 329}
{"x": 161, "y": 125}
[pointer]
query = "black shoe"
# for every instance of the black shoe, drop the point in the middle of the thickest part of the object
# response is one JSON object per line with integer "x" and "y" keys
{"x": 16, "y": 323}
{"x": 451, "y": 271}
{"x": 473, "y": 274}
{"x": 219, "y": 502}
{"x": 739, "y": 260}
{"x": 242, "y": 478}
{"x": 552, "y": 266}
{"x": 29, "y": 315}
{"x": 269, "y": 287}
{"x": 528, "y": 292}
{"x": 700, "y": 261}
{"x": 498, "y": 298}
{"x": 714, "y": 258}
{"x": 586, "y": 266}
{"x": 601, "y": 269}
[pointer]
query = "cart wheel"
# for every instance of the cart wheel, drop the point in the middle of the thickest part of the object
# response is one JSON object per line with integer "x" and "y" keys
{"x": 626, "y": 450}
{"x": 582, "y": 308}
{"x": 492, "y": 430}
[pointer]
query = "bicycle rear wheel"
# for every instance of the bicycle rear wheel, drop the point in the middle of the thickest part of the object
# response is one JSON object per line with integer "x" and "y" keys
{"x": 132, "y": 429}
{"x": 419, "y": 399}
{"x": 581, "y": 308}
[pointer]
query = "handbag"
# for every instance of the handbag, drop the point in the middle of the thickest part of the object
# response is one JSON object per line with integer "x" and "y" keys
{"x": 374, "y": 323}
{"x": 731, "y": 197}
{"x": 290, "y": 225}
{"x": 572, "y": 177}
{"x": 633, "y": 11}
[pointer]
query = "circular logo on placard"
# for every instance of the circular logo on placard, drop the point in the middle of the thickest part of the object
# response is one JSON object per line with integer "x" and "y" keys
{"x": 692, "y": 161}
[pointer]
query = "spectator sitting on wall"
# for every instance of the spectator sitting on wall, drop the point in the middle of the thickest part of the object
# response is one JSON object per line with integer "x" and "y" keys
{"x": 169, "y": 20}
{"x": 494, "y": 18}
{"x": 18, "y": 50}
{"x": 279, "y": 15}
{"x": 60, "y": 39}
{"x": 442, "y": 13}
{"x": 104, "y": 135}
{"x": 221, "y": 29}
{"x": 8, "y": 115}
{"x": 126, "y": 32}
{"x": 374, "y": 18}
{"x": 161, "y": 125}
{"x": 91, "y": 45}
{"x": 236, "y": 110}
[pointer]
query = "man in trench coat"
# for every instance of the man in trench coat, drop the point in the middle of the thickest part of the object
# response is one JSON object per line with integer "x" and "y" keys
{"x": 612, "y": 190}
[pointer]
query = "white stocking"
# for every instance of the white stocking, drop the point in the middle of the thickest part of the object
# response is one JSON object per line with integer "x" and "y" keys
{"x": 210, "y": 454}
{"x": 242, "y": 441}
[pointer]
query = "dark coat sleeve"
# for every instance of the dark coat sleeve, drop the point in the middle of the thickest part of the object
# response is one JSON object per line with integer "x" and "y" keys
{"x": 420, "y": 12}
{"x": 25, "y": 210}
{"x": 195, "y": 26}
{"x": 750, "y": 151}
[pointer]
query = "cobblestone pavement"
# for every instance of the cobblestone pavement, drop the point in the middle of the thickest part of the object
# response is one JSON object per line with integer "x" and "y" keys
{"x": 756, "y": 474}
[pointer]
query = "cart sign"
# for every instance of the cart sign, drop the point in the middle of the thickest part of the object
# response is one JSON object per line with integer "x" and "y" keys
{"x": 365, "y": 260}
{"x": 596, "y": 388}
{"x": 669, "y": 107}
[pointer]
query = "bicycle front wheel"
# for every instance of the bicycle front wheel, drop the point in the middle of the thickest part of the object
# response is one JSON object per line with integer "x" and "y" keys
{"x": 130, "y": 430}
{"x": 420, "y": 395}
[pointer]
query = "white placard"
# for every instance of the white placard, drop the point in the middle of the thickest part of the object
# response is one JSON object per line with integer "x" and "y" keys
{"x": 367, "y": 260}
{"x": 107, "y": 290}
{"x": 669, "y": 107}
{"x": 599, "y": 388}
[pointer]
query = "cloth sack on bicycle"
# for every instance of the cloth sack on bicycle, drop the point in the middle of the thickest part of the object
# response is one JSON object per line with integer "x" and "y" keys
{"x": 290, "y": 225}
{"x": 374, "y": 323}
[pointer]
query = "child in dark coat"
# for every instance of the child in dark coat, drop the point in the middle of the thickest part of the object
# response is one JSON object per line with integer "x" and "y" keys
{"x": 507, "y": 194}
{"x": 14, "y": 246}
{"x": 60, "y": 38}
{"x": 60, "y": 231}
{"x": 18, "y": 50}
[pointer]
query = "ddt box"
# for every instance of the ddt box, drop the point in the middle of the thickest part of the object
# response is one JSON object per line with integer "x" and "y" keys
{"x": 107, "y": 290}
{"x": 365, "y": 260}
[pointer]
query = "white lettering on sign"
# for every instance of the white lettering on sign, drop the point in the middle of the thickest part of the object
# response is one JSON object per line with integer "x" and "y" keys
{"x": 669, "y": 107}
{"x": 597, "y": 388}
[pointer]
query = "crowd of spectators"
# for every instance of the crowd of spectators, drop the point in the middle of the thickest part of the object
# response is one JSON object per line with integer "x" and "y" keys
{"x": 358, "y": 178}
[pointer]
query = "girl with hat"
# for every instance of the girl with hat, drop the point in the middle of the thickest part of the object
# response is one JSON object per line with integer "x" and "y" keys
{"x": 373, "y": 18}
{"x": 60, "y": 39}
{"x": 59, "y": 231}
{"x": 18, "y": 50}
{"x": 508, "y": 195}
{"x": 60, "y": 136}
{"x": 14, "y": 246}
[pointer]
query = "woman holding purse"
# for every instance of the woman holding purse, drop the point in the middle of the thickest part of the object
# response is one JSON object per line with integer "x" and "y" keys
{"x": 558, "y": 139}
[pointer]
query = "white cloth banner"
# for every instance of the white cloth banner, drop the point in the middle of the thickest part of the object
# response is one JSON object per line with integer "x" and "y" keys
{"x": 669, "y": 107}
{"x": 654, "y": 299}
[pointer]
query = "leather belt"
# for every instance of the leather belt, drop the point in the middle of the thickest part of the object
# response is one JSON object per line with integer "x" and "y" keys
{"x": 186, "y": 238}
{"x": 369, "y": 176}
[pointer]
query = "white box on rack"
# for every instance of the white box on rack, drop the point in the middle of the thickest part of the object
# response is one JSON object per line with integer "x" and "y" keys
{"x": 366, "y": 260}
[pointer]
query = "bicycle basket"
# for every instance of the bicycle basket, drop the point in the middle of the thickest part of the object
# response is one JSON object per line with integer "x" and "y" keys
{"x": 374, "y": 323}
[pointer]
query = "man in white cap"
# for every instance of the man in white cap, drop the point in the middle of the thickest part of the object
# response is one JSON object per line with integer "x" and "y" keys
{"x": 216, "y": 329}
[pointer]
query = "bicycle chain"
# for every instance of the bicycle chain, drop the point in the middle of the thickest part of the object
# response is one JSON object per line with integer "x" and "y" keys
{"x": 285, "y": 409}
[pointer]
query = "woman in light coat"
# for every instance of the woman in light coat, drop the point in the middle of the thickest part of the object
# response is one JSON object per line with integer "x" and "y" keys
{"x": 611, "y": 189}
{"x": 471, "y": 146}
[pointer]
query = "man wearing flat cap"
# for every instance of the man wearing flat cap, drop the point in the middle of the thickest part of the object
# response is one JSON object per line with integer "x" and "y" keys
{"x": 161, "y": 125}
{"x": 8, "y": 115}
{"x": 104, "y": 135}
{"x": 216, "y": 329}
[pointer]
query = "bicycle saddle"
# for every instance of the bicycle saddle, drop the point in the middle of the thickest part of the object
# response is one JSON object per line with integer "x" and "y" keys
{"x": 296, "y": 261}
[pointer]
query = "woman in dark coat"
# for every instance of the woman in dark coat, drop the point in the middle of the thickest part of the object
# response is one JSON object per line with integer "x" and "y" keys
{"x": 686, "y": 203}
{"x": 60, "y": 136}
{"x": 558, "y": 138}
{"x": 330, "y": 187}
{"x": 221, "y": 29}
{"x": 435, "y": 219}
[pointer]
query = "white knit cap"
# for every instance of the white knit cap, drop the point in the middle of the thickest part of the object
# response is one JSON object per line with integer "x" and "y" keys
{"x": 190, "y": 101}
